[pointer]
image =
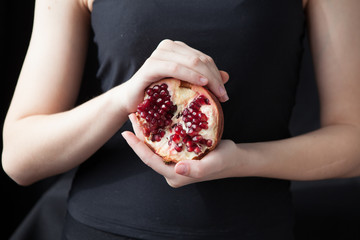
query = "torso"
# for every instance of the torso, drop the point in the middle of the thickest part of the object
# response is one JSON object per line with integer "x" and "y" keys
{"x": 259, "y": 43}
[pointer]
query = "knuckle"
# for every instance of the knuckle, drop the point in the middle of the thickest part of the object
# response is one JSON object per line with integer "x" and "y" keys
{"x": 172, "y": 183}
{"x": 166, "y": 43}
{"x": 173, "y": 67}
{"x": 194, "y": 61}
{"x": 207, "y": 59}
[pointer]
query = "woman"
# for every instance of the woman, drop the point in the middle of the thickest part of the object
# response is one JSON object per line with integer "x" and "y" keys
{"x": 235, "y": 192}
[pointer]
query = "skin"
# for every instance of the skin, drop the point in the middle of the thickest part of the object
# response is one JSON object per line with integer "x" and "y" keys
{"x": 56, "y": 137}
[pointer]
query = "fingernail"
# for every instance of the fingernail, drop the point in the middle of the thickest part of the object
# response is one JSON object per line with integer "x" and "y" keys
{"x": 203, "y": 80}
{"x": 222, "y": 91}
{"x": 225, "y": 98}
{"x": 181, "y": 169}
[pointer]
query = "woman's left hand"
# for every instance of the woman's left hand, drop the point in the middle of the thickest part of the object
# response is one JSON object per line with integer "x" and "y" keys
{"x": 219, "y": 163}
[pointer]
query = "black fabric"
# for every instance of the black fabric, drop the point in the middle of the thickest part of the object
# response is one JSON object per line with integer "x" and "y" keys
{"x": 74, "y": 230}
{"x": 259, "y": 43}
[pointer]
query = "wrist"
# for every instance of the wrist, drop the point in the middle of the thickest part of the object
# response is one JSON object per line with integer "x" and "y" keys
{"x": 247, "y": 162}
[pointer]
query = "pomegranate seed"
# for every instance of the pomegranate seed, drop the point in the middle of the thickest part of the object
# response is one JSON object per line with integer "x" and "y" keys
{"x": 209, "y": 143}
{"x": 179, "y": 147}
{"x": 143, "y": 114}
{"x": 164, "y": 107}
{"x": 153, "y": 121}
{"x": 185, "y": 112}
{"x": 196, "y": 121}
{"x": 160, "y": 123}
{"x": 183, "y": 133}
{"x": 151, "y": 112}
{"x": 149, "y": 92}
{"x": 203, "y": 117}
{"x": 167, "y": 122}
{"x": 146, "y": 132}
{"x": 178, "y": 128}
{"x": 164, "y": 92}
{"x": 162, "y": 133}
{"x": 203, "y": 125}
{"x": 192, "y": 132}
{"x": 164, "y": 86}
{"x": 197, "y": 138}
{"x": 190, "y": 149}
{"x": 155, "y": 96}
{"x": 157, "y": 115}
{"x": 157, "y": 137}
{"x": 197, "y": 150}
{"x": 186, "y": 119}
{"x": 168, "y": 103}
{"x": 186, "y": 139}
{"x": 161, "y": 111}
{"x": 148, "y": 118}
{"x": 188, "y": 124}
{"x": 195, "y": 106}
{"x": 147, "y": 103}
{"x": 156, "y": 88}
{"x": 169, "y": 116}
{"x": 176, "y": 138}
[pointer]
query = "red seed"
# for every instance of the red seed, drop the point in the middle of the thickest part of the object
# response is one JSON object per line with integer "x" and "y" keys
{"x": 183, "y": 133}
{"x": 203, "y": 125}
{"x": 143, "y": 114}
{"x": 176, "y": 138}
{"x": 179, "y": 147}
{"x": 149, "y": 91}
{"x": 164, "y": 86}
{"x": 203, "y": 117}
{"x": 146, "y": 132}
{"x": 164, "y": 92}
{"x": 157, "y": 137}
{"x": 197, "y": 149}
{"x": 178, "y": 128}
{"x": 209, "y": 143}
{"x": 157, "y": 115}
{"x": 159, "y": 101}
{"x": 156, "y": 88}
{"x": 190, "y": 149}
{"x": 197, "y": 138}
{"x": 191, "y": 132}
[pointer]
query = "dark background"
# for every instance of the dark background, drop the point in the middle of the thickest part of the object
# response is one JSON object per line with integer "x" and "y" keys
{"x": 323, "y": 209}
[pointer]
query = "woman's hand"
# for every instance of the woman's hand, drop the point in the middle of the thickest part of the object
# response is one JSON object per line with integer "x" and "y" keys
{"x": 178, "y": 60}
{"x": 220, "y": 163}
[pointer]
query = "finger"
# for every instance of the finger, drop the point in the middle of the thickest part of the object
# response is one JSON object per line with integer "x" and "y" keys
{"x": 134, "y": 122}
{"x": 203, "y": 169}
{"x": 224, "y": 76}
{"x": 211, "y": 71}
{"x": 155, "y": 69}
{"x": 145, "y": 153}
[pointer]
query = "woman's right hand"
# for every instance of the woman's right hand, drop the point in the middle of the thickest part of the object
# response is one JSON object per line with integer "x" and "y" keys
{"x": 178, "y": 60}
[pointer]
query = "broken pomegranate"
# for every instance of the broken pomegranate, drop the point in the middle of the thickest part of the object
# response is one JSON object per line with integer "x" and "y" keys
{"x": 180, "y": 120}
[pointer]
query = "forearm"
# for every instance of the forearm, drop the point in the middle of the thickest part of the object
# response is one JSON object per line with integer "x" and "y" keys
{"x": 330, "y": 152}
{"x": 39, "y": 146}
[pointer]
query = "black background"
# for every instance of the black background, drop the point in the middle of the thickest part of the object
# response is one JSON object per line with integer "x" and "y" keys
{"x": 324, "y": 209}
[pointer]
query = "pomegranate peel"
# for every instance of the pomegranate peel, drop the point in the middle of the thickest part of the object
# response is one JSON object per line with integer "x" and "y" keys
{"x": 179, "y": 120}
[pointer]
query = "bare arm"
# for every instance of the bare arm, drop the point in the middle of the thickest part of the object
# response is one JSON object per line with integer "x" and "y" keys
{"x": 43, "y": 135}
{"x": 333, "y": 151}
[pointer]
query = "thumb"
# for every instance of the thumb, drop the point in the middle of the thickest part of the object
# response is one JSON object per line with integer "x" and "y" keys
{"x": 189, "y": 168}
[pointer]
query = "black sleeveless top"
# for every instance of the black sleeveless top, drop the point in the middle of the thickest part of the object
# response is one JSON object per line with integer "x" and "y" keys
{"x": 259, "y": 43}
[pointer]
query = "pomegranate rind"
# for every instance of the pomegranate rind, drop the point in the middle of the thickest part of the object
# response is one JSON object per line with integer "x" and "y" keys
{"x": 168, "y": 153}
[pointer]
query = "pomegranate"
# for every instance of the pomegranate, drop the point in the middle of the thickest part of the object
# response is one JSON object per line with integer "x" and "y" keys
{"x": 180, "y": 120}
